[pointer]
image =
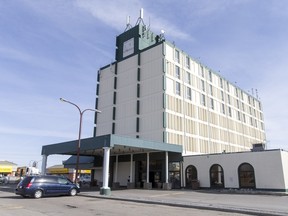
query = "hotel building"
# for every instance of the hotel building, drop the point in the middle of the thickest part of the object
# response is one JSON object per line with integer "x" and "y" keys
{"x": 161, "y": 113}
{"x": 155, "y": 91}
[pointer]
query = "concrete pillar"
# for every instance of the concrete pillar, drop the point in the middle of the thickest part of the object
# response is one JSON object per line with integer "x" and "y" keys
{"x": 44, "y": 164}
{"x": 105, "y": 190}
{"x": 131, "y": 168}
{"x": 131, "y": 183}
{"x": 147, "y": 184}
{"x": 115, "y": 183}
{"x": 116, "y": 169}
{"x": 167, "y": 185}
{"x": 166, "y": 168}
{"x": 147, "y": 167}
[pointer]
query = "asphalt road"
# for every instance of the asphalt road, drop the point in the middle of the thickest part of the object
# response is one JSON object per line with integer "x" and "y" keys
{"x": 12, "y": 205}
{"x": 145, "y": 202}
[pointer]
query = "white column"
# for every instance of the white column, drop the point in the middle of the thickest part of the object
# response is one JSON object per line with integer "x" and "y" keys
{"x": 147, "y": 170}
{"x": 44, "y": 164}
{"x": 131, "y": 168}
{"x": 116, "y": 170}
{"x": 166, "y": 168}
{"x": 182, "y": 174}
{"x": 106, "y": 167}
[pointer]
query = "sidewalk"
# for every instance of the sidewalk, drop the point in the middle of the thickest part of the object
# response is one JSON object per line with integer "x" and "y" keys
{"x": 254, "y": 203}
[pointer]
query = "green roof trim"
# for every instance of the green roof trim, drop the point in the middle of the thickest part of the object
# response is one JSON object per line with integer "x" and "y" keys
{"x": 90, "y": 145}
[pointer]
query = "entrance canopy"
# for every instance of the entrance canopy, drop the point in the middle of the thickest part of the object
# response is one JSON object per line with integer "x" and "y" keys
{"x": 118, "y": 144}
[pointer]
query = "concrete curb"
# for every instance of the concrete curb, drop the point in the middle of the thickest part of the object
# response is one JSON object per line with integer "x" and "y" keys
{"x": 212, "y": 207}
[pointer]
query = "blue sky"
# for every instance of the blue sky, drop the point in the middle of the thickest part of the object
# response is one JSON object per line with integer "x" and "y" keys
{"x": 53, "y": 49}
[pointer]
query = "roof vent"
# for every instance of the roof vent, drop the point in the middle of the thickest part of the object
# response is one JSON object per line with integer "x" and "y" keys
{"x": 258, "y": 147}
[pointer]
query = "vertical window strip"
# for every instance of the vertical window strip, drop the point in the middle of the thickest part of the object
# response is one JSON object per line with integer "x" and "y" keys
{"x": 113, "y": 128}
{"x": 177, "y": 72}
{"x": 178, "y": 88}
{"x": 116, "y": 68}
{"x": 138, "y": 107}
{"x": 114, "y": 98}
{"x": 138, "y": 75}
{"x": 139, "y": 59}
{"x": 138, "y": 90}
{"x": 177, "y": 56}
{"x": 115, "y": 83}
{"x": 114, "y": 113}
{"x": 97, "y": 89}
{"x": 137, "y": 124}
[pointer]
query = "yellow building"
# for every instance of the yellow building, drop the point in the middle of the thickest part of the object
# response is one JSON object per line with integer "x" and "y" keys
{"x": 7, "y": 168}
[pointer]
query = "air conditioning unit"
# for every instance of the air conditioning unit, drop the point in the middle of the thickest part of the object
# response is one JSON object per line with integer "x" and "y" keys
{"x": 258, "y": 147}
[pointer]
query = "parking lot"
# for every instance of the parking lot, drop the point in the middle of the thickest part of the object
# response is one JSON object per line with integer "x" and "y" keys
{"x": 145, "y": 202}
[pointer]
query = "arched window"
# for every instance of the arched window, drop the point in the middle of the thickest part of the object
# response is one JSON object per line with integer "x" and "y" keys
{"x": 246, "y": 176}
{"x": 191, "y": 175}
{"x": 216, "y": 176}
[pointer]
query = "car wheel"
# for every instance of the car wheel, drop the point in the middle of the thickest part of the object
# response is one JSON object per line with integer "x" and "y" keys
{"x": 73, "y": 192}
{"x": 38, "y": 194}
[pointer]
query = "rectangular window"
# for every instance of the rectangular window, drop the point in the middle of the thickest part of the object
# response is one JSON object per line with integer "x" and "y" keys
{"x": 262, "y": 126}
{"x": 221, "y": 83}
{"x": 228, "y": 97}
{"x": 113, "y": 128}
{"x": 211, "y": 90}
{"x": 236, "y": 92}
{"x": 115, "y": 82}
{"x": 211, "y": 103}
{"x": 138, "y": 107}
{"x": 177, "y": 56}
{"x": 203, "y": 102}
{"x": 138, "y": 90}
{"x": 238, "y": 114}
{"x": 138, "y": 75}
{"x": 114, "y": 113}
{"x": 202, "y": 71}
{"x": 210, "y": 76}
{"x": 188, "y": 62}
{"x": 178, "y": 88}
{"x": 188, "y": 93}
{"x": 223, "y": 108}
{"x": 230, "y": 111}
{"x": 137, "y": 124}
{"x": 177, "y": 72}
{"x": 202, "y": 85}
{"x": 188, "y": 77}
{"x": 228, "y": 89}
{"x": 244, "y": 119}
{"x": 114, "y": 98}
{"x": 222, "y": 95}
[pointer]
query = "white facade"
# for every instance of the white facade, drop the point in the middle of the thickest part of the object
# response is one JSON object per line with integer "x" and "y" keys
{"x": 162, "y": 94}
{"x": 270, "y": 168}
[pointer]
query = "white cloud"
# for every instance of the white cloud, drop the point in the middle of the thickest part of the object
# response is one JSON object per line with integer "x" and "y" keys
{"x": 114, "y": 14}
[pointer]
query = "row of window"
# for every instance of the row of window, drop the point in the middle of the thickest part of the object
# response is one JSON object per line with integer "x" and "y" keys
{"x": 225, "y": 131}
{"x": 228, "y": 110}
{"x": 211, "y": 91}
{"x": 177, "y": 73}
{"x": 246, "y": 176}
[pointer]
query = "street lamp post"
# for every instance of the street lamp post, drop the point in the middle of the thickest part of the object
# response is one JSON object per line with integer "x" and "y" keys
{"x": 81, "y": 112}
